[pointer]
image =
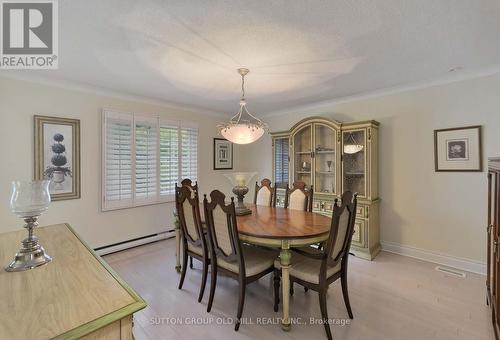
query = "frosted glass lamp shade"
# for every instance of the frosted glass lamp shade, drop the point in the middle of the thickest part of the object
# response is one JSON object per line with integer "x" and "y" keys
{"x": 242, "y": 133}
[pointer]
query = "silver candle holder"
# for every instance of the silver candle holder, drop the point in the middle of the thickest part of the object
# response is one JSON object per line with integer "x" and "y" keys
{"x": 28, "y": 201}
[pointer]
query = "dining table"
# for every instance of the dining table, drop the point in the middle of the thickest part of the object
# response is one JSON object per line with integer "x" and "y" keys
{"x": 280, "y": 228}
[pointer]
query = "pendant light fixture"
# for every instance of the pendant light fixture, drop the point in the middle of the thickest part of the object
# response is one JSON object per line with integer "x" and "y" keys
{"x": 243, "y": 128}
{"x": 352, "y": 146}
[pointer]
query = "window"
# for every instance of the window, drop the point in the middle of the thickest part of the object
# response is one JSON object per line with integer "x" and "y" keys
{"x": 281, "y": 162}
{"x": 146, "y": 145}
{"x": 169, "y": 158}
{"x": 143, "y": 158}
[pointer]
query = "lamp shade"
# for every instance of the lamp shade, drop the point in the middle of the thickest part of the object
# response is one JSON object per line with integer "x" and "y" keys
{"x": 242, "y": 133}
{"x": 240, "y": 179}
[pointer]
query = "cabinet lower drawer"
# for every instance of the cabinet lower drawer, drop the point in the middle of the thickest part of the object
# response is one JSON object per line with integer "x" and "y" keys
{"x": 361, "y": 211}
{"x": 358, "y": 237}
{"x": 325, "y": 206}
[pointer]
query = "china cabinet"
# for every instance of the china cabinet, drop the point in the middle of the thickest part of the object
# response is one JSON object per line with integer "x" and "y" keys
{"x": 333, "y": 157}
{"x": 493, "y": 235}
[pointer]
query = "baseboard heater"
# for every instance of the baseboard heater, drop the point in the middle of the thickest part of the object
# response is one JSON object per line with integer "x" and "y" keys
{"x": 113, "y": 248}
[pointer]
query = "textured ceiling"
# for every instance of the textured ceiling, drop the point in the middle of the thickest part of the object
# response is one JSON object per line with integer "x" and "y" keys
{"x": 298, "y": 52}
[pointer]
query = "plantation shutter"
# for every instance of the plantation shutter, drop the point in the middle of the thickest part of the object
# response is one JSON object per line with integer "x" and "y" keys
{"x": 143, "y": 157}
{"x": 189, "y": 153}
{"x": 169, "y": 158}
{"x": 146, "y": 162}
{"x": 117, "y": 144}
{"x": 281, "y": 162}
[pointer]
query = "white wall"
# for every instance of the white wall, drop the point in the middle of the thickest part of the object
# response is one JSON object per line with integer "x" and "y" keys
{"x": 20, "y": 100}
{"x": 438, "y": 212}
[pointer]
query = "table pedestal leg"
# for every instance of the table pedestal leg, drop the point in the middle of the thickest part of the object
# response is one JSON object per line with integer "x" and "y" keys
{"x": 177, "y": 249}
{"x": 285, "y": 256}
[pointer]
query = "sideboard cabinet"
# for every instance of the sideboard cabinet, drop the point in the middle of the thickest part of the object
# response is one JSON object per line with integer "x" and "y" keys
{"x": 76, "y": 296}
{"x": 333, "y": 157}
{"x": 493, "y": 255}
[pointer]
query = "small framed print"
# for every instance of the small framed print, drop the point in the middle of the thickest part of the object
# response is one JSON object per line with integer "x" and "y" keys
{"x": 458, "y": 149}
{"x": 57, "y": 155}
{"x": 223, "y": 154}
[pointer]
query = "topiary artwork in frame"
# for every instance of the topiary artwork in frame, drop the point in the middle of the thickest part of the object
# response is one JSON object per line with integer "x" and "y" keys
{"x": 57, "y": 155}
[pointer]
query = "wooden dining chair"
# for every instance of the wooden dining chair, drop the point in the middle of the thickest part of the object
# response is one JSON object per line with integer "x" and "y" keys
{"x": 187, "y": 182}
{"x": 299, "y": 197}
{"x": 239, "y": 261}
{"x": 317, "y": 269}
{"x": 194, "y": 242}
{"x": 264, "y": 194}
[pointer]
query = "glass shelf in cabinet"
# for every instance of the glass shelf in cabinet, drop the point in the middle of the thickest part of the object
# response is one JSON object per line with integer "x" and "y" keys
{"x": 354, "y": 174}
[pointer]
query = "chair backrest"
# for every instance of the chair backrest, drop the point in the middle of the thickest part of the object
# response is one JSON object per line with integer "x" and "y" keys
{"x": 264, "y": 193}
{"x": 187, "y": 182}
{"x": 299, "y": 197}
{"x": 188, "y": 211}
{"x": 223, "y": 229}
{"x": 341, "y": 231}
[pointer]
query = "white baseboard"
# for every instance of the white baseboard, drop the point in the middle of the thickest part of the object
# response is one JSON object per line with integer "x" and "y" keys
{"x": 430, "y": 256}
{"x": 134, "y": 243}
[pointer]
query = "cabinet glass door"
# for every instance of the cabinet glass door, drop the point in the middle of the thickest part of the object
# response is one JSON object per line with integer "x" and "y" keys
{"x": 302, "y": 141}
{"x": 324, "y": 159}
{"x": 354, "y": 161}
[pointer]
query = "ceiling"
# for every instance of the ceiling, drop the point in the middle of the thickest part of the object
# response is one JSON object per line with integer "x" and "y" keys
{"x": 298, "y": 52}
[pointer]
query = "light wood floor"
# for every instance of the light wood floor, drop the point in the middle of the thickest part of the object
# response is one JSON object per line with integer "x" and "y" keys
{"x": 393, "y": 297}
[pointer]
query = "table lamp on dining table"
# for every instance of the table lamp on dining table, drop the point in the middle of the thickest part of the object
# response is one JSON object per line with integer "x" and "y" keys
{"x": 240, "y": 181}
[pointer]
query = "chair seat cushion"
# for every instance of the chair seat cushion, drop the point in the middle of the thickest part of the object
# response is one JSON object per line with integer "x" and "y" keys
{"x": 257, "y": 260}
{"x": 196, "y": 250}
{"x": 307, "y": 269}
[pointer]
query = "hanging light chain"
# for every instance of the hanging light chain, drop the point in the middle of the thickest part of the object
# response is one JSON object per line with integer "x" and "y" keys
{"x": 242, "y": 87}
{"x": 253, "y": 122}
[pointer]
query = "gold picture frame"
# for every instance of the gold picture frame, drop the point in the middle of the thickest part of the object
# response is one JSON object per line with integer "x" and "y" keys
{"x": 57, "y": 155}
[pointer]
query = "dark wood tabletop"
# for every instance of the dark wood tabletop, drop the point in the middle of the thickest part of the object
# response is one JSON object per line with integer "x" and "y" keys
{"x": 282, "y": 223}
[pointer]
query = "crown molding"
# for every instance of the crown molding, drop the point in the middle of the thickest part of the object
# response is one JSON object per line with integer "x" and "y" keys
{"x": 101, "y": 91}
{"x": 453, "y": 77}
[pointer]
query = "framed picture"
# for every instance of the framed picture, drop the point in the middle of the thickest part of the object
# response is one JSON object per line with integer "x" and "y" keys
{"x": 458, "y": 149}
{"x": 223, "y": 154}
{"x": 57, "y": 155}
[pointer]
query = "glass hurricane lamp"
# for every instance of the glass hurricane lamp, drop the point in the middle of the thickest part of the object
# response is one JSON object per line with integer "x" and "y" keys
{"x": 28, "y": 201}
{"x": 240, "y": 181}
